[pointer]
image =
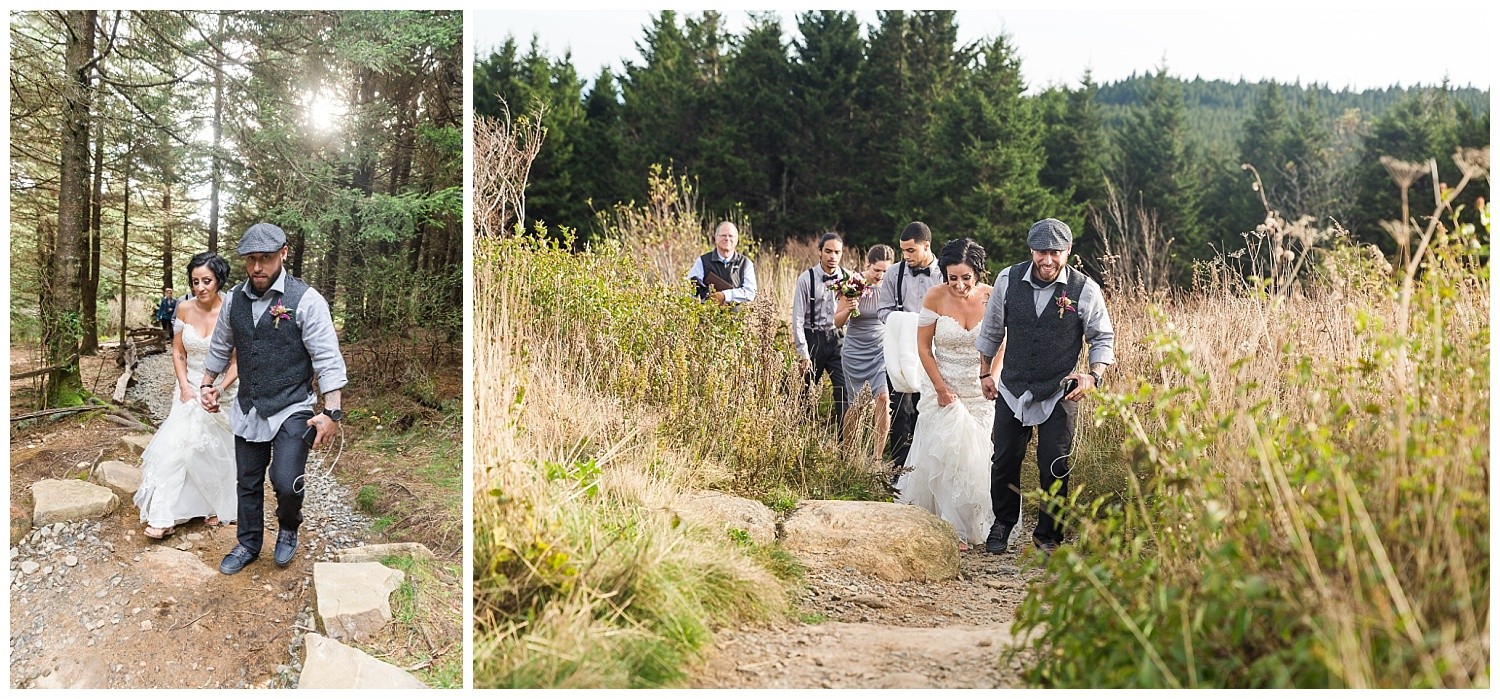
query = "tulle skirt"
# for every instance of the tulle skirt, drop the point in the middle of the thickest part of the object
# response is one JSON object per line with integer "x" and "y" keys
{"x": 950, "y": 465}
{"x": 188, "y": 470}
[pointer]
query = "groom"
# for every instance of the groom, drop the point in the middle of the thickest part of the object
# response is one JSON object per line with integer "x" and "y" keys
{"x": 281, "y": 334}
{"x": 1043, "y": 311}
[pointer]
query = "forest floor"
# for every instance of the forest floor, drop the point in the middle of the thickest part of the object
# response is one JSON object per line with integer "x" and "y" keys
{"x": 857, "y": 631}
{"x": 97, "y": 604}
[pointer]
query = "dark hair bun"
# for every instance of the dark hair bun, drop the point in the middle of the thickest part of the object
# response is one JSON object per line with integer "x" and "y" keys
{"x": 964, "y": 251}
{"x": 216, "y": 265}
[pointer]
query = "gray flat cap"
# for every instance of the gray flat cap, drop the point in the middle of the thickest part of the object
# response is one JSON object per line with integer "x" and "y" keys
{"x": 1049, "y": 234}
{"x": 261, "y": 237}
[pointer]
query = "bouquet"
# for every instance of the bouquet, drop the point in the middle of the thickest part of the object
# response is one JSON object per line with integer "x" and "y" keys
{"x": 852, "y": 286}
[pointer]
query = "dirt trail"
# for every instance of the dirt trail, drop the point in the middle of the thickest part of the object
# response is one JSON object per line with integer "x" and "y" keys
{"x": 96, "y": 604}
{"x": 868, "y": 633}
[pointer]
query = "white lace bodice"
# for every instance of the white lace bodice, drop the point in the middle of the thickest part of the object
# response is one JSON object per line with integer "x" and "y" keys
{"x": 197, "y": 353}
{"x": 957, "y": 358}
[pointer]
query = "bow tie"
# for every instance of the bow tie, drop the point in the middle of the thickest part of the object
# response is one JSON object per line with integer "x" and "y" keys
{"x": 830, "y": 278}
{"x": 920, "y": 272}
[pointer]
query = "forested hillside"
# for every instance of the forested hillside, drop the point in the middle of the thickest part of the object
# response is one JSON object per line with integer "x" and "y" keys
{"x": 863, "y": 128}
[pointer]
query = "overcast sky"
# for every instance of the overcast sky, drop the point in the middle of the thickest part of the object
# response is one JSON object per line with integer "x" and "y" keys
{"x": 1342, "y": 44}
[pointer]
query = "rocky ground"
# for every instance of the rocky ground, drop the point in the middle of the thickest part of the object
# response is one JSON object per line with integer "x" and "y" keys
{"x": 859, "y": 631}
{"x": 95, "y": 603}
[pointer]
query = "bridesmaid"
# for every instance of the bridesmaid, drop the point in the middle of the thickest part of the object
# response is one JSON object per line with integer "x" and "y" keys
{"x": 864, "y": 353}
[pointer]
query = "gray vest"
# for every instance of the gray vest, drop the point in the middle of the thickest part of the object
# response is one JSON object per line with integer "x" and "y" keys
{"x": 275, "y": 368}
{"x": 733, "y": 272}
{"x": 1040, "y": 350}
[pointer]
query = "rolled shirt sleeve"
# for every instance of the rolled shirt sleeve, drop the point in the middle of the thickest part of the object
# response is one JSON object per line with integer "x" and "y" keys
{"x": 992, "y": 334}
{"x": 799, "y": 316}
{"x": 696, "y": 273}
{"x": 885, "y": 297}
{"x": 1098, "y": 330}
{"x": 221, "y": 344}
{"x": 321, "y": 341}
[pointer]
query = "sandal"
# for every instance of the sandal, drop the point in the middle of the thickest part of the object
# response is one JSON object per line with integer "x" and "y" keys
{"x": 157, "y": 532}
{"x": 212, "y": 521}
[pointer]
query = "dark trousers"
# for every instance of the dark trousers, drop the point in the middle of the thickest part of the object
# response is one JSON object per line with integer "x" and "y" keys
{"x": 286, "y": 455}
{"x": 167, "y": 326}
{"x": 1054, "y": 443}
{"x": 826, "y": 351}
{"x": 903, "y": 424}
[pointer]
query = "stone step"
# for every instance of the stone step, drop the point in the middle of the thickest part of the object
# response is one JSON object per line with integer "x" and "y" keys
{"x": 69, "y": 500}
{"x": 328, "y": 664}
{"x": 353, "y": 600}
{"x": 120, "y": 477}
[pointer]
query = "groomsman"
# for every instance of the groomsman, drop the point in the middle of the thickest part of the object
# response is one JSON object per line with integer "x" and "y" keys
{"x": 818, "y": 343}
{"x": 722, "y": 274}
{"x": 904, "y": 287}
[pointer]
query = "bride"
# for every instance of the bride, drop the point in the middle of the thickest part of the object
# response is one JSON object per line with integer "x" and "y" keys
{"x": 188, "y": 469}
{"x": 951, "y": 447}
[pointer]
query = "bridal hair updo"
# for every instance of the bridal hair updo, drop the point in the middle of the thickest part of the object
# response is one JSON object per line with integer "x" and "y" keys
{"x": 215, "y": 264}
{"x": 964, "y": 251}
{"x": 880, "y": 253}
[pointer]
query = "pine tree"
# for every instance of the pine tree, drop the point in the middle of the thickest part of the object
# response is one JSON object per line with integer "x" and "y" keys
{"x": 1157, "y": 166}
{"x": 987, "y": 157}
{"x": 825, "y": 75}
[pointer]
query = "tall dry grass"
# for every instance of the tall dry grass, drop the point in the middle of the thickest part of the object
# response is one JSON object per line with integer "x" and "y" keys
{"x": 606, "y": 391}
{"x": 1310, "y": 460}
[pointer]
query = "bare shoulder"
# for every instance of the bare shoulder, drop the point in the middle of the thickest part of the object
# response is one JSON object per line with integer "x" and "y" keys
{"x": 936, "y": 297}
{"x": 984, "y": 291}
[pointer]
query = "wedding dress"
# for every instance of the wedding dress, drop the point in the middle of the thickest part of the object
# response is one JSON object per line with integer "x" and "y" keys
{"x": 188, "y": 470}
{"x": 951, "y": 446}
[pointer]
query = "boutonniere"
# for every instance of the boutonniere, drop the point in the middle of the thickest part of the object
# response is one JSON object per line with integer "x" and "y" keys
{"x": 280, "y": 313}
{"x": 1065, "y": 305}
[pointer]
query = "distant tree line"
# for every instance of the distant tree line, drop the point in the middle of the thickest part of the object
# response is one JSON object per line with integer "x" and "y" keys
{"x": 862, "y": 129}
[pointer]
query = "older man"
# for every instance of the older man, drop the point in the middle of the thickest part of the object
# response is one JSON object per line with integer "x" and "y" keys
{"x": 722, "y": 274}
{"x": 281, "y": 331}
{"x": 1043, "y": 310}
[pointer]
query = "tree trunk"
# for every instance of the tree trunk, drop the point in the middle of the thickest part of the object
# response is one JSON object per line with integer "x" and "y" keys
{"x": 90, "y": 343}
{"x": 125, "y": 247}
{"x": 328, "y": 284}
{"x": 166, "y": 242}
{"x": 299, "y": 249}
{"x": 213, "y": 192}
{"x": 61, "y": 325}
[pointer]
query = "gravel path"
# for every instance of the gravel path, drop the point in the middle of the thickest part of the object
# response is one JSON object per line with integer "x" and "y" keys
{"x": 94, "y": 605}
{"x": 863, "y": 632}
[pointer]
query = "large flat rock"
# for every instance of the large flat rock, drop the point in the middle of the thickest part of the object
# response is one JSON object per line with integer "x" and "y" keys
{"x": 724, "y": 512}
{"x": 135, "y": 443}
{"x": 169, "y": 567}
{"x": 328, "y": 664}
{"x": 891, "y": 541}
{"x": 79, "y": 668}
{"x": 375, "y": 553}
{"x": 69, "y": 500}
{"x": 120, "y": 477}
{"x": 354, "y": 599}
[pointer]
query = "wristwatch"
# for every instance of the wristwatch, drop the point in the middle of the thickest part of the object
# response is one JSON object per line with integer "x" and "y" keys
{"x": 334, "y": 414}
{"x": 1098, "y": 378}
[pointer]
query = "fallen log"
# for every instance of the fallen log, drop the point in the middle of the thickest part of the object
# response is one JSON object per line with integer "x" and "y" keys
{"x": 131, "y": 359}
{"x": 36, "y": 372}
{"x": 56, "y": 411}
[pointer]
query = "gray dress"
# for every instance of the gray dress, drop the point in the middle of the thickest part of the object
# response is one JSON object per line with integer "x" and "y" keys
{"x": 864, "y": 352}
